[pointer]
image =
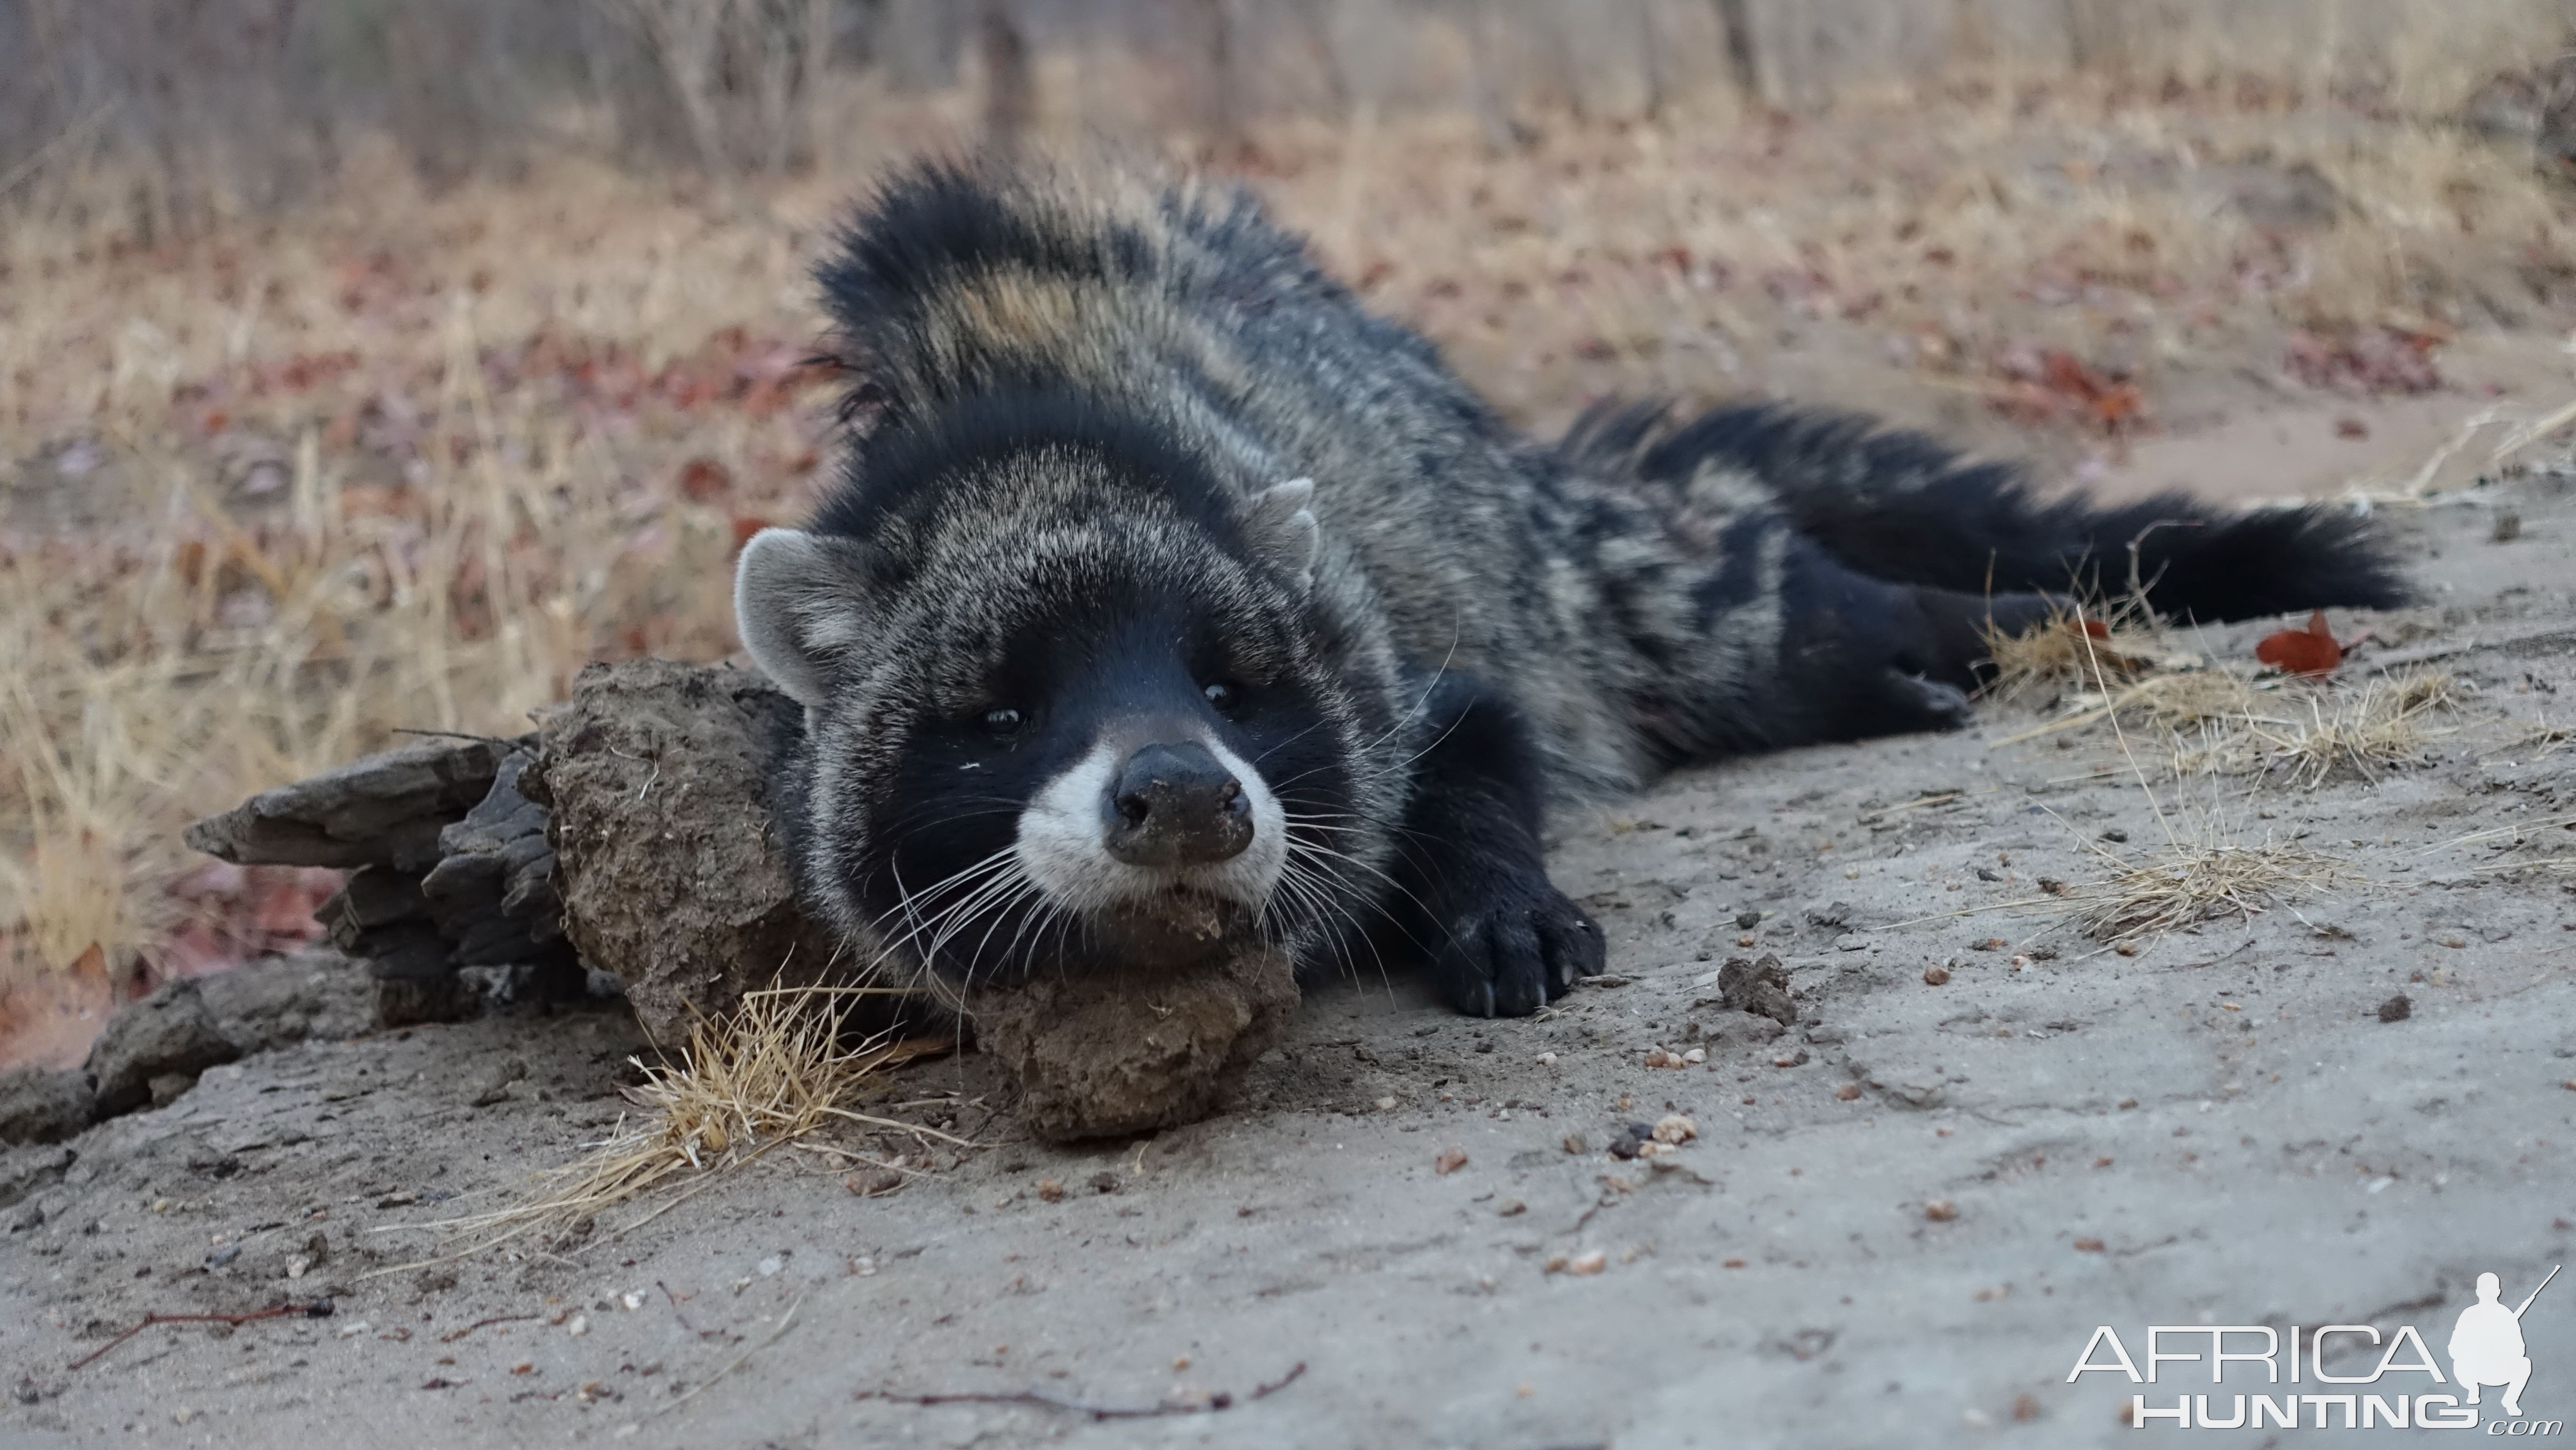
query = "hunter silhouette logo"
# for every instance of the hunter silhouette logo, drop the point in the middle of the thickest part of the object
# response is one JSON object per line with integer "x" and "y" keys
{"x": 2487, "y": 1347}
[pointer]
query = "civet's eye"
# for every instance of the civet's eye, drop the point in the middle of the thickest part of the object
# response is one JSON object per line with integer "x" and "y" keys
{"x": 1223, "y": 694}
{"x": 1002, "y": 721}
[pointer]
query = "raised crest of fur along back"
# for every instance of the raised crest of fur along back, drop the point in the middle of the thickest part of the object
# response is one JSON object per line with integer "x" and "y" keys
{"x": 1168, "y": 599}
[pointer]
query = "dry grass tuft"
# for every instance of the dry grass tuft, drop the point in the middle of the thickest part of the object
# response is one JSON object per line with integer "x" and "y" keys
{"x": 2189, "y": 882}
{"x": 2369, "y": 732}
{"x": 2094, "y": 650}
{"x": 2222, "y": 722}
{"x": 773, "y": 1072}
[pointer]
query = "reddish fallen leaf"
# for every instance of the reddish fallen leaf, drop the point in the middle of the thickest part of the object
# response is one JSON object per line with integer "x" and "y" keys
{"x": 2309, "y": 651}
{"x": 2044, "y": 384}
{"x": 703, "y": 480}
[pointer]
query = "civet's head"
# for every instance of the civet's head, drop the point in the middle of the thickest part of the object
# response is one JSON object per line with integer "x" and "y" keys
{"x": 1067, "y": 699}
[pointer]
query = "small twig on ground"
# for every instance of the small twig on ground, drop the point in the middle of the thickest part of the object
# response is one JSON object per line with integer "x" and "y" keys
{"x": 675, "y": 1306}
{"x": 1213, "y": 1403}
{"x": 315, "y": 1309}
{"x": 453, "y": 1335}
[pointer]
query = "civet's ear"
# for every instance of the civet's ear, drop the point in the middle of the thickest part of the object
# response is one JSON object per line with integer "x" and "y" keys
{"x": 1281, "y": 526}
{"x": 800, "y": 601}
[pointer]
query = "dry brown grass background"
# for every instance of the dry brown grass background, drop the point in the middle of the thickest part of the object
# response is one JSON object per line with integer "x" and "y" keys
{"x": 400, "y": 456}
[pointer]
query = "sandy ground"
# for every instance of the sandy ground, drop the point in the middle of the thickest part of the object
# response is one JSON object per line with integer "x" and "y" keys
{"x": 1900, "y": 1224}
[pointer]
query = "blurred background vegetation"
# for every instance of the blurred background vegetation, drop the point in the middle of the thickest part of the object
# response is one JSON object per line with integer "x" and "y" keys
{"x": 200, "y": 106}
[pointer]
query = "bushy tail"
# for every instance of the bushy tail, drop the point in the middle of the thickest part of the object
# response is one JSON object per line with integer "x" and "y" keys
{"x": 1901, "y": 507}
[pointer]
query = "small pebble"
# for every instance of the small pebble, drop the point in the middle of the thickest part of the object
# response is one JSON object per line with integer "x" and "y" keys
{"x": 1674, "y": 1128}
{"x": 873, "y": 1182}
{"x": 1386, "y": 1105}
{"x": 1547, "y": 1059}
{"x": 1936, "y": 975}
{"x": 1848, "y": 1092}
{"x": 1588, "y": 1263}
{"x": 579, "y": 1326}
{"x": 1449, "y": 1161}
{"x": 2088, "y": 1246}
{"x": 1051, "y": 1189}
{"x": 1940, "y": 1210}
{"x": 1695, "y": 1056}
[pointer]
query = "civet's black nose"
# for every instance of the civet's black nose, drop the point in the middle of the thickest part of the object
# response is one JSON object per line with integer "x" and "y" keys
{"x": 1174, "y": 805}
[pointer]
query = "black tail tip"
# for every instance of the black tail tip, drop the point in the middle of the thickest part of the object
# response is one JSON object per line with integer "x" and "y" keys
{"x": 2271, "y": 561}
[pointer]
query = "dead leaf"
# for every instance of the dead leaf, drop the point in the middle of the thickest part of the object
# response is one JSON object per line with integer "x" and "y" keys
{"x": 2309, "y": 651}
{"x": 703, "y": 480}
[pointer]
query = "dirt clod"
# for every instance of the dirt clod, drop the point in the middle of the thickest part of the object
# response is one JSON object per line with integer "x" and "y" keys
{"x": 1104, "y": 1056}
{"x": 1759, "y": 986}
{"x": 2397, "y": 1008}
{"x": 672, "y": 878}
